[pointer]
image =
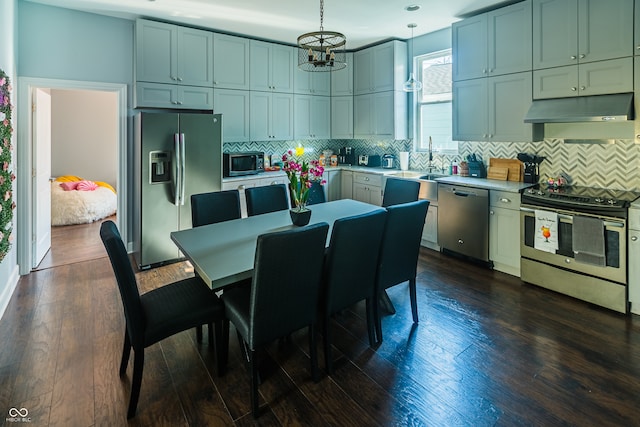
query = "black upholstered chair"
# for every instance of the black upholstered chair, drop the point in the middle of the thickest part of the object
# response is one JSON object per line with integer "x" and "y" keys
{"x": 217, "y": 206}
{"x": 269, "y": 198}
{"x": 316, "y": 194}
{"x": 160, "y": 313}
{"x": 283, "y": 296}
{"x": 399, "y": 252}
{"x": 397, "y": 191}
{"x": 350, "y": 271}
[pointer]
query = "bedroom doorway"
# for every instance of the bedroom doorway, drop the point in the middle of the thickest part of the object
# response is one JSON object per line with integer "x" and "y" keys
{"x": 28, "y": 161}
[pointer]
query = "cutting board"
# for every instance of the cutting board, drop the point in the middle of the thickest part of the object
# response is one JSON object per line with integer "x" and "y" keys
{"x": 499, "y": 173}
{"x": 515, "y": 167}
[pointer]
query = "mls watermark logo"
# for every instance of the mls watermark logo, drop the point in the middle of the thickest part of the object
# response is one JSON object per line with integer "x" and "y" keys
{"x": 18, "y": 416}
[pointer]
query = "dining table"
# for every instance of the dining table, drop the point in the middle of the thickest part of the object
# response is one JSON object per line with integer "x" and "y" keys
{"x": 223, "y": 253}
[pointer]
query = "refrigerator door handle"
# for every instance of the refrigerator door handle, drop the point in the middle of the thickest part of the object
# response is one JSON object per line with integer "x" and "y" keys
{"x": 184, "y": 168}
{"x": 177, "y": 185}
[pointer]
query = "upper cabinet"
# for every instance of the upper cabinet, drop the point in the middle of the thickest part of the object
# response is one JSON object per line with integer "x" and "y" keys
{"x": 271, "y": 67}
{"x": 231, "y": 67}
{"x": 167, "y": 53}
{"x": 311, "y": 83}
{"x": 567, "y": 32}
{"x": 380, "y": 68}
{"x": 380, "y": 115}
{"x": 312, "y": 117}
{"x": 342, "y": 80}
{"x": 493, "y": 43}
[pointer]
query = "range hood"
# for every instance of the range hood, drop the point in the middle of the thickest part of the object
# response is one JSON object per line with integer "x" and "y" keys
{"x": 596, "y": 108}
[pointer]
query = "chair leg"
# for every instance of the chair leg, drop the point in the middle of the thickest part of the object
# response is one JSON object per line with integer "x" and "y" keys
{"x": 377, "y": 318}
{"x": 313, "y": 352}
{"x": 414, "y": 301}
{"x": 199, "y": 333}
{"x": 126, "y": 352}
{"x": 253, "y": 365}
{"x": 328, "y": 362}
{"x": 136, "y": 382}
{"x": 370, "y": 323}
{"x": 222, "y": 345}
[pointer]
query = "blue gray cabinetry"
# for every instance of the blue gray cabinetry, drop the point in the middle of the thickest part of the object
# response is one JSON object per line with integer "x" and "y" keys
{"x": 234, "y": 106}
{"x": 271, "y": 67}
{"x": 312, "y": 117}
{"x": 231, "y": 67}
{"x": 271, "y": 116}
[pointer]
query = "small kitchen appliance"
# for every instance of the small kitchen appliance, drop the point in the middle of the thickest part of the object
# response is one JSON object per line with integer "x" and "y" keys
{"x": 370, "y": 160}
{"x": 531, "y": 167}
{"x": 346, "y": 156}
{"x": 388, "y": 161}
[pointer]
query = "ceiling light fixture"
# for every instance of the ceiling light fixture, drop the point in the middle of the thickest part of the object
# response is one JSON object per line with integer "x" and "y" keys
{"x": 411, "y": 85}
{"x": 322, "y": 50}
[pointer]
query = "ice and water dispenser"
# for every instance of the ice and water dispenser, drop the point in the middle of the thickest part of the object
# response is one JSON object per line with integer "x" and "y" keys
{"x": 159, "y": 167}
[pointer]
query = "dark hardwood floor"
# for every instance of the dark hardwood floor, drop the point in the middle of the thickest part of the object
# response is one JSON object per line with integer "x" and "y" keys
{"x": 488, "y": 350}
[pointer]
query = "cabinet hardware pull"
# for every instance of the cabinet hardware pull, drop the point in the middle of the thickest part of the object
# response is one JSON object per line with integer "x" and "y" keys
{"x": 582, "y": 55}
{"x": 634, "y": 238}
{"x": 573, "y": 57}
{"x": 460, "y": 241}
{"x": 582, "y": 87}
{"x": 241, "y": 187}
{"x": 179, "y": 79}
{"x": 492, "y": 213}
{"x": 505, "y": 200}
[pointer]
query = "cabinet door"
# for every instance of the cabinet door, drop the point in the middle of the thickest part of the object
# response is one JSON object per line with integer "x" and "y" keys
{"x": 260, "y": 125}
{"x": 634, "y": 271}
{"x": 281, "y": 73}
{"x": 361, "y": 193}
{"x": 555, "y": 33}
{"x": 195, "y": 98}
{"x": 234, "y": 107}
{"x": 384, "y": 67}
{"x": 259, "y": 73}
{"x": 333, "y": 186}
{"x": 383, "y": 114}
{"x": 346, "y": 186}
{"x": 558, "y": 82}
{"x": 231, "y": 67}
{"x": 156, "y": 52}
{"x": 605, "y": 29}
{"x": 311, "y": 83}
{"x": 509, "y": 101}
{"x": 195, "y": 57}
{"x": 504, "y": 240}
{"x": 282, "y": 116}
{"x": 302, "y": 122}
{"x": 362, "y": 116}
{"x": 321, "y": 117}
{"x": 156, "y": 95}
{"x": 470, "y": 110}
{"x": 469, "y": 41}
{"x": 430, "y": 230}
{"x": 509, "y": 39}
{"x": 636, "y": 34}
{"x": 342, "y": 117}
{"x": 613, "y": 76}
{"x": 342, "y": 80}
{"x": 363, "y": 71}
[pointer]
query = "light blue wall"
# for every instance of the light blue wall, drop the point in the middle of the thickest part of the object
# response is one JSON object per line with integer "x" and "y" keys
{"x": 58, "y": 43}
{"x": 8, "y": 53}
{"x": 432, "y": 42}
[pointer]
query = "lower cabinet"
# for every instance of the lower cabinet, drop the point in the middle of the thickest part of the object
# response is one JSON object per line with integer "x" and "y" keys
{"x": 243, "y": 184}
{"x": 333, "y": 185}
{"x": 430, "y": 230}
{"x": 634, "y": 254}
{"x": 367, "y": 187}
{"x": 504, "y": 231}
{"x": 346, "y": 185}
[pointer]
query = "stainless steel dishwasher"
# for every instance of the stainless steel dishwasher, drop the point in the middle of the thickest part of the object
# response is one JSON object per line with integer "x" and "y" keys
{"x": 463, "y": 220}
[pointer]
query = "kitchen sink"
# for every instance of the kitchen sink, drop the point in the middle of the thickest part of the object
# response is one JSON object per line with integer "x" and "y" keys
{"x": 406, "y": 174}
{"x": 431, "y": 176}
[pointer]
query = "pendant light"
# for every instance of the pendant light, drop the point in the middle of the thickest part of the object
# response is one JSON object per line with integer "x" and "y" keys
{"x": 322, "y": 50}
{"x": 411, "y": 85}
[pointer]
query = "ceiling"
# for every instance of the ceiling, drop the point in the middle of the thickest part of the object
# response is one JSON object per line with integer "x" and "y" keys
{"x": 363, "y": 22}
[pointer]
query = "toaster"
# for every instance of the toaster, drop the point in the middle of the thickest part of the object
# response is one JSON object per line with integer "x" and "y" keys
{"x": 369, "y": 160}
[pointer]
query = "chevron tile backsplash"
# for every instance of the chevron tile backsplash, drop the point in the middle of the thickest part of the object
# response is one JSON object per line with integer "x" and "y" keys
{"x": 615, "y": 166}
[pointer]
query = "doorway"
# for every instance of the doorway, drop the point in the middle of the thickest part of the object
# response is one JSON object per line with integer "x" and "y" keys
{"x": 27, "y": 160}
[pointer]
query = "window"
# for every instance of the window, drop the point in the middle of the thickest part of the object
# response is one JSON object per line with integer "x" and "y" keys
{"x": 433, "y": 103}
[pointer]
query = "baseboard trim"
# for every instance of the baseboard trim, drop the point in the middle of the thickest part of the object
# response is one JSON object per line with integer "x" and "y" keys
{"x": 9, "y": 287}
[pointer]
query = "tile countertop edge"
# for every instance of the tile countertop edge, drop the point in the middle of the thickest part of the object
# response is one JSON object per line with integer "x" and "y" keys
{"x": 489, "y": 184}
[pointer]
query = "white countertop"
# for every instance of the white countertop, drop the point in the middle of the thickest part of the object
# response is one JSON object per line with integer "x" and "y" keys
{"x": 489, "y": 184}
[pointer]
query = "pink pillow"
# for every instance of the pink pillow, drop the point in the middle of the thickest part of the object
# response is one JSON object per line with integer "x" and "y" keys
{"x": 86, "y": 186}
{"x": 69, "y": 186}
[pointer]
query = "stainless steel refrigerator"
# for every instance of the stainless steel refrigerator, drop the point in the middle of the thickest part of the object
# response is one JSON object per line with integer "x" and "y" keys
{"x": 176, "y": 155}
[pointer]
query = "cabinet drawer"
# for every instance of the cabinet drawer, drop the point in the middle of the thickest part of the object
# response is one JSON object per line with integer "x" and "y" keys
{"x": 273, "y": 181}
{"x": 368, "y": 179}
{"x": 239, "y": 185}
{"x": 504, "y": 199}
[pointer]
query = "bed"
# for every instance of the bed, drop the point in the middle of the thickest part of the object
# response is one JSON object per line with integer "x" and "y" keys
{"x": 83, "y": 202}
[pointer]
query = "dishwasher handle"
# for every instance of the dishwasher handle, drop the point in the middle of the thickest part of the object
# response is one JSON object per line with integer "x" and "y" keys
{"x": 462, "y": 194}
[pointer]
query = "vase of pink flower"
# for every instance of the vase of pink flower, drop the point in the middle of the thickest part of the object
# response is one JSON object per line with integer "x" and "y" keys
{"x": 301, "y": 174}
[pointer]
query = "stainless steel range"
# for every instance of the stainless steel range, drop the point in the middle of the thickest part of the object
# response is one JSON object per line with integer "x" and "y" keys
{"x": 574, "y": 241}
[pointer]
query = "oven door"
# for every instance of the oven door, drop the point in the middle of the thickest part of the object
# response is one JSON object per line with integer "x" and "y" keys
{"x": 615, "y": 245}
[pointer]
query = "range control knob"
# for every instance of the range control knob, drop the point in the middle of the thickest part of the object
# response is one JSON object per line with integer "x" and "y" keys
{"x": 540, "y": 193}
{"x": 612, "y": 201}
{"x": 598, "y": 200}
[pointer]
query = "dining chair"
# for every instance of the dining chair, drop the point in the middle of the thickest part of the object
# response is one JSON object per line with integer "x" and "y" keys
{"x": 214, "y": 207}
{"x": 397, "y": 191}
{"x": 160, "y": 313}
{"x": 350, "y": 271}
{"x": 398, "y": 261}
{"x": 265, "y": 199}
{"x": 283, "y": 296}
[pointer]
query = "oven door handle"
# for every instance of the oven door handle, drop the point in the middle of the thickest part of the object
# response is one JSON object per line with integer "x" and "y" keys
{"x": 615, "y": 224}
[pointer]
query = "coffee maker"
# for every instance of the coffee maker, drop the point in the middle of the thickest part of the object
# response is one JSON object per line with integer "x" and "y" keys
{"x": 346, "y": 156}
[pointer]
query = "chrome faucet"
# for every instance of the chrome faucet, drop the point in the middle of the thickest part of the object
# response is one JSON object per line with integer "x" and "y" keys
{"x": 430, "y": 166}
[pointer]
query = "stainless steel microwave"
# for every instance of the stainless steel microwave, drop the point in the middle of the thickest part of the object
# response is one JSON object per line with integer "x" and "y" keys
{"x": 242, "y": 163}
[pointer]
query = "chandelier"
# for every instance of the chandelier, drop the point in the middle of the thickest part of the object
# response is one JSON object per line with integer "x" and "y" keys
{"x": 322, "y": 50}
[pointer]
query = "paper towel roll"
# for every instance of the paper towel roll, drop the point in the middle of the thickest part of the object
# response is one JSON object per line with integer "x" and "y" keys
{"x": 404, "y": 160}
